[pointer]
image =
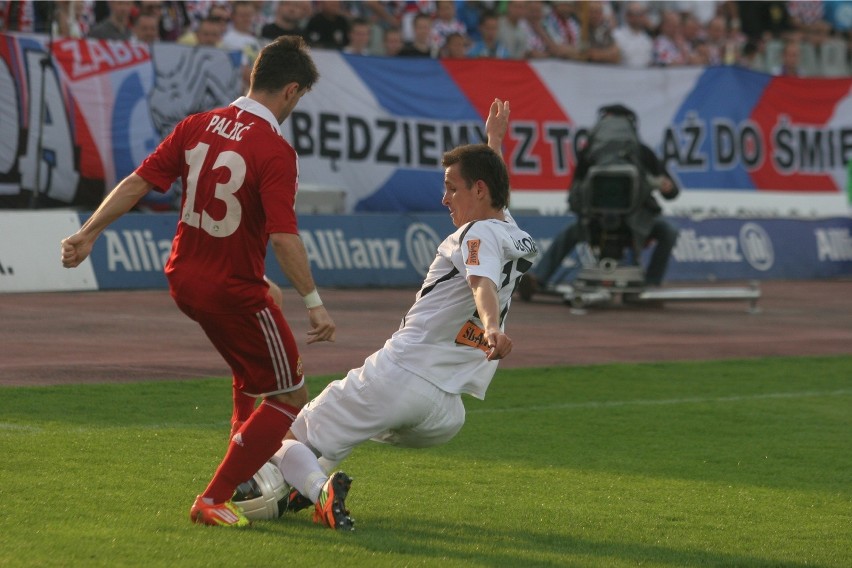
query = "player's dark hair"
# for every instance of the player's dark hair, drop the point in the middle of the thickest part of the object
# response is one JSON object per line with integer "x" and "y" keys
{"x": 480, "y": 162}
{"x": 286, "y": 60}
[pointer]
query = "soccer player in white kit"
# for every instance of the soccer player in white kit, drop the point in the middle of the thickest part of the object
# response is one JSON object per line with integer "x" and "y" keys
{"x": 408, "y": 393}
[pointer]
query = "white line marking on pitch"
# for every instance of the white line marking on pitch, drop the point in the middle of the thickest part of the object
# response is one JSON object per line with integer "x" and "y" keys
{"x": 9, "y": 427}
{"x": 664, "y": 401}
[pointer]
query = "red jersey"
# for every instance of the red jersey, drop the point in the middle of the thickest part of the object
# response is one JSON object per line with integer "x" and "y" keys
{"x": 240, "y": 179}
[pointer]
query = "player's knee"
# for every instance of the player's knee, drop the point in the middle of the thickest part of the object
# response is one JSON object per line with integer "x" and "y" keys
{"x": 296, "y": 398}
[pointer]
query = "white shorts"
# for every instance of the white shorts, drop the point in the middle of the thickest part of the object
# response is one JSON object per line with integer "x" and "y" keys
{"x": 382, "y": 402}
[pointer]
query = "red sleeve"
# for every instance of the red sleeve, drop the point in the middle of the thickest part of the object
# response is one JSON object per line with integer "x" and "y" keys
{"x": 279, "y": 180}
{"x": 165, "y": 164}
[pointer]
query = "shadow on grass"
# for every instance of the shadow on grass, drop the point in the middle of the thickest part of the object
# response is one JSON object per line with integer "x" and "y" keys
{"x": 450, "y": 542}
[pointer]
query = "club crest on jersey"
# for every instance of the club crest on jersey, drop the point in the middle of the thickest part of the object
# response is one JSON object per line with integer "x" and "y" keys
{"x": 473, "y": 252}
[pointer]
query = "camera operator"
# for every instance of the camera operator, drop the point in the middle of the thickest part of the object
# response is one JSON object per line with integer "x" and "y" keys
{"x": 646, "y": 223}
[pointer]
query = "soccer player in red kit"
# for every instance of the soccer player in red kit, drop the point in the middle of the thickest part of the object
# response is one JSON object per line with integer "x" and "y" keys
{"x": 239, "y": 188}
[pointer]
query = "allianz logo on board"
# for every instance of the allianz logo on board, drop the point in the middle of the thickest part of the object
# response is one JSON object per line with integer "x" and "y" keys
{"x": 833, "y": 244}
{"x": 752, "y": 245}
{"x": 330, "y": 249}
{"x": 136, "y": 250}
{"x": 421, "y": 245}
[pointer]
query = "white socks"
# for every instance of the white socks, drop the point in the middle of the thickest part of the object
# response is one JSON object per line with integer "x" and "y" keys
{"x": 327, "y": 465}
{"x": 300, "y": 468}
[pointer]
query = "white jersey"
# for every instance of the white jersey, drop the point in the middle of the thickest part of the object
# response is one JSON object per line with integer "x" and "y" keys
{"x": 440, "y": 338}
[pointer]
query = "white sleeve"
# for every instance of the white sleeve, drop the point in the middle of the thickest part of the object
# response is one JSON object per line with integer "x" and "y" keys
{"x": 482, "y": 253}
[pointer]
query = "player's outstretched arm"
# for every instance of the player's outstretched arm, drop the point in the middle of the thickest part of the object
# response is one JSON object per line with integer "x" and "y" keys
{"x": 122, "y": 199}
{"x": 497, "y": 124}
{"x": 488, "y": 308}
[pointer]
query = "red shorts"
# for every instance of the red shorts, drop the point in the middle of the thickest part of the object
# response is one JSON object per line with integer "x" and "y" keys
{"x": 259, "y": 348}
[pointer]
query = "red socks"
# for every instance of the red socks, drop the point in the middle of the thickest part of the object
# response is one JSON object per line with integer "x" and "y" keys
{"x": 259, "y": 439}
{"x": 243, "y": 407}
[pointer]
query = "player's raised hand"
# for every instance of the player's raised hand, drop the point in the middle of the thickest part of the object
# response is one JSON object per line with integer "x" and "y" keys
{"x": 497, "y": 124}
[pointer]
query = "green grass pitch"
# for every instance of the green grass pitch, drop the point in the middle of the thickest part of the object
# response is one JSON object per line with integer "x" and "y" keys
{"x": 734, "y": 463}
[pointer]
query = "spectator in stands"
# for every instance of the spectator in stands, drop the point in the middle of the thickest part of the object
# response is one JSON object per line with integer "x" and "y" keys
{"x": 117, "y": 24}
{"x": 392, "y": 42}
{"x": 694, "y": 38}
{"x": 670, "y": 49}
{"x": 488, "y": 45}
{"x": 240, "y": 36}
{"x": 722, "y": 46}
{"x": 69, "y": 20}
{"x": 287, "y": 22}
{"x": 444, "y": 24}
{"x": 208, "y": 33}
{"x": 601, "y": 45}
{"x": 512, "y": 33}
{"x": 469, "y": 12}
{"x": 218, "y": 16}
{"x": 328, "y": 28}
{"x": 145, "y": 29}
{"x": 839, "y": 17}
{"x": 221, "y": 13}
{"x": 702, "y": 12}
{"x": 455, "y": 47}
{"x": 26, "y": 16}
{"x": 749, "y": 57}
{"x": 359, "y": 38}
{"x": 560, "y": 31}
{"x": 805, "y": 17}
{"x": 172, "y": 17}
{"x": 790, "y": 60}
{"x": 534, "y": 25}
{"x": 632, "y": 38}
{"x": 420, "y": 46}
{"x": 305, "y": 9}
{"x": 764, "y": 20}
{"x": 383, "y": 16}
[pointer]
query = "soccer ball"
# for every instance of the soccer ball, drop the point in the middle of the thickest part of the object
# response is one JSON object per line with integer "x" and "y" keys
{"x": 264, "y": 496}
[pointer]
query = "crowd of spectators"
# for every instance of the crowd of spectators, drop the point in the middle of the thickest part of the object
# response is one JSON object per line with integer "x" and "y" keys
{"x": 795, "y": 37}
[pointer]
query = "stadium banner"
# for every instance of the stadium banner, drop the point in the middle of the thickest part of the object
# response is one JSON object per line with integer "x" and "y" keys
{"x": 106, "y": 104}
{"x": 739, "y": 142}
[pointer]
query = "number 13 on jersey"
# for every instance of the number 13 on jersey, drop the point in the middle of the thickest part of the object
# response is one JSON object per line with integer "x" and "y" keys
{"x": 224, "y": 192}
